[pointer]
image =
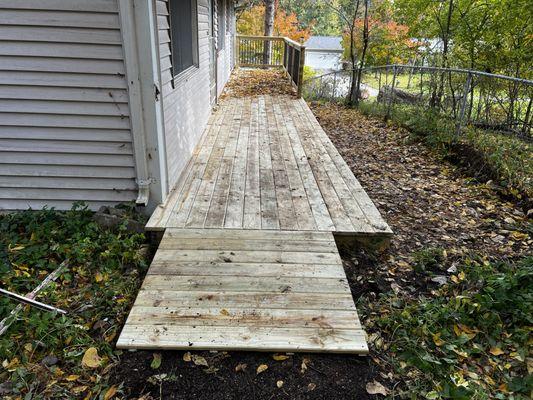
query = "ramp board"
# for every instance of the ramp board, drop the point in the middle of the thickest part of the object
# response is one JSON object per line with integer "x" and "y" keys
{"x": 216, "y": 289}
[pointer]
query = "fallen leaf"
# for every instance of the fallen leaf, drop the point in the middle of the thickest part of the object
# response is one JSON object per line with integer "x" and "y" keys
{"x": 437, "y": 340}
{"x": 199, "y": 360}
{"x": 280, "y": 357}
{"x": 262, "y": 368}
{"x": 156, "y": 362}
{"x": 311, "y": 387}
{"x": 279, "y": 384}
{"x": 240, "y": 367}
{"x": 376, "y": 388}
{"x": 496, "y": 351}
{"x": 224, "y": 312}
{"x": 110, "y": 393}
{"x": 303, "y": 367}
{"x": 72, "y": 378}
{"x": 187, "y": 357}
{"x": 98, "y": 277}
{"x": 91, "y": 359}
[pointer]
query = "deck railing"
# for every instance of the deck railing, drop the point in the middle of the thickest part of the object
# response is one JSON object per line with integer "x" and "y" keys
{"x": 273, "y": 52}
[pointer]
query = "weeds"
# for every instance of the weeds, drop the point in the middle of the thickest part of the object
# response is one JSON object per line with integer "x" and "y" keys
{"x": 469, "y": 339}
{"x": 42, "y": 352}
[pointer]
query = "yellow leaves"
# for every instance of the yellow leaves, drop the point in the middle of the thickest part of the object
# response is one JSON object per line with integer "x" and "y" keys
{"x": 261, "y": 368}
{"x": 458, "y": 278}
{"x": 11, "y": 365}
{"x": 98, "y": 277}
{"x": 496, "y": 351}
{"x": 72, "y": 378}
{"x": 187, "y": 357}
{"x": 110, "y": 393}
{"x": 519, "y": 236}
{"x": 280, "y": 357}
{"x": 224, "y": 312}
{"x": 91, "y": 359}
{"x": 437, "y": 340}
{"x": 465, "y": 331}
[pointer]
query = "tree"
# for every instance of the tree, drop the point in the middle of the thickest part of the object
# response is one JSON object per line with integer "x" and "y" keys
{"x": 287, "y": 25}
{"x": 270, "y": 15}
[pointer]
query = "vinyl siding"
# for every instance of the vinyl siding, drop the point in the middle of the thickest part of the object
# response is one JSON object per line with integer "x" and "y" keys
{"x": 186, "y": 106}
{"x": 64, "y": 118}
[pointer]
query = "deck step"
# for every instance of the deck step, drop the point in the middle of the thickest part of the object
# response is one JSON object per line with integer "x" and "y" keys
{"x": 260, "y": 290}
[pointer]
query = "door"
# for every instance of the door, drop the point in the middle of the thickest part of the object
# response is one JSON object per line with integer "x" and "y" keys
{"x": 213, "y": 51}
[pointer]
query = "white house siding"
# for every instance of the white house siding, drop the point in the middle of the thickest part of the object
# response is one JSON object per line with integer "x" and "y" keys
{"x": 64, "y": 118}
{"x": 186, "y": 106}
{"x": 226, "y": 57}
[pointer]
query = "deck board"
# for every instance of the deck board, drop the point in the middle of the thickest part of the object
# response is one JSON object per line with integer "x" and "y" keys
{"x": 264, "y": 290}
{"x": 264, "y": 162}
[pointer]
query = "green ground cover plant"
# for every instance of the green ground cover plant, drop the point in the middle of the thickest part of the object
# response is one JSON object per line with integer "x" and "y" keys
{"x": 467, "y": 339}
{"x": 45, "y": 355}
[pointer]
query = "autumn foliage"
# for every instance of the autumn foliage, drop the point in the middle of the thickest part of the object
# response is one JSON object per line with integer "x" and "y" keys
{"x": 389, "y": 42}
{"x": 251, "y": 22}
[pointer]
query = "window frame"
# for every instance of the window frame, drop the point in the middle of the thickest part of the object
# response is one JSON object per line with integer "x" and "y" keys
{"x": 195, "y": 45}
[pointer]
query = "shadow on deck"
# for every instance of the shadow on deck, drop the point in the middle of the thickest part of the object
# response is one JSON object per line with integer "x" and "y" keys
{"x": 248, "y": 260}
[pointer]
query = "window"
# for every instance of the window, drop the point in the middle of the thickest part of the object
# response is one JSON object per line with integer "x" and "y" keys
{"x": 183, "y": 34}
{"x": 221, "y": 19}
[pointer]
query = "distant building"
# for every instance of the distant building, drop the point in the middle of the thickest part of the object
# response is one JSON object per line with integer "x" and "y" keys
{"x": 324, "y": 53}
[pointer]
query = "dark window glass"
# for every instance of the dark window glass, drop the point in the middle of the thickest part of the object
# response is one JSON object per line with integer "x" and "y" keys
{"x": 221, "y": 19}
{"x": 184, "y": 34}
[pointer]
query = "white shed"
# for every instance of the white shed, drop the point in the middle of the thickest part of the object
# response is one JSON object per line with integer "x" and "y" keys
{"x": 104, "y": 100}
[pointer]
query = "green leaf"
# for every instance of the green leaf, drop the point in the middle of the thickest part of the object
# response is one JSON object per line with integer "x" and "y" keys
{"x": 156, "y": 362}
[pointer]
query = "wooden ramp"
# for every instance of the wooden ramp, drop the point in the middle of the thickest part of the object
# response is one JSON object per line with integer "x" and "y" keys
{"x": 263, "y": 290}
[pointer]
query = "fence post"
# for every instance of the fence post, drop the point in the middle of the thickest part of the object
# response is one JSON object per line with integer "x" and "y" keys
{"x": 301, "y": 71}
{"x": 466, "y": 90}
{"x": 391, "y": 96}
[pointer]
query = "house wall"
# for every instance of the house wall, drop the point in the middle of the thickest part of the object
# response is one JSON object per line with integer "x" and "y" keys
{"x": 186, "y": 104}
{"x": 64, "y": 118}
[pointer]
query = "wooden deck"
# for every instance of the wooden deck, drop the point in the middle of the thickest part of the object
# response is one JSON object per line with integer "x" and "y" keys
{"x": 265, "y": 163}
{"x": 219, "y": 289}
{"x": 248, "y": 259}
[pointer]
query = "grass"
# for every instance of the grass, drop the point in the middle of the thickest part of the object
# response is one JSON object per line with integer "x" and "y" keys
{"x": 468, "y": 339}
{"x": 42, "y": 352}
{"x": 504, "y": 158}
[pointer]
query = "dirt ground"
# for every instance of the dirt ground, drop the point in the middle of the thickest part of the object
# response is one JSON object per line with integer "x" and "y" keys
{"x": 427, "y": 202}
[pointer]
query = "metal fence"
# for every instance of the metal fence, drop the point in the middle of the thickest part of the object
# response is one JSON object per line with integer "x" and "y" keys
{"x": 271, "y": 52}
{"x": 488, "y": 101}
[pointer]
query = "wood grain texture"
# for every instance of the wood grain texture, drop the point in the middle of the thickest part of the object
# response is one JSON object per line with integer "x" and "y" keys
{"x": 265, "y": 163}
{"x": 264, "y": 290}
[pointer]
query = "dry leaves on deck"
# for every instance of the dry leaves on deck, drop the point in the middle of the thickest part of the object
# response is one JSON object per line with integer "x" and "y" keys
{"x": 256, "y": 82}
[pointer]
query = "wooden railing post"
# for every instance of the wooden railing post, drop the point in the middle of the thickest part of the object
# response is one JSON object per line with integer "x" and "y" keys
{"x": 301, "y": 71}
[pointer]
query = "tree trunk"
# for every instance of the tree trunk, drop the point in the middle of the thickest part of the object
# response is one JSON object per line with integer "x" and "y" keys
{"x": 363, "y": 55}
{"x": 270, "y": 13}
{"x": 353, "y": 58}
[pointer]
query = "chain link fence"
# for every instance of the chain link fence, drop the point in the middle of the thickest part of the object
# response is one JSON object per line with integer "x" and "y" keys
{"x": 465, "y": 97}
